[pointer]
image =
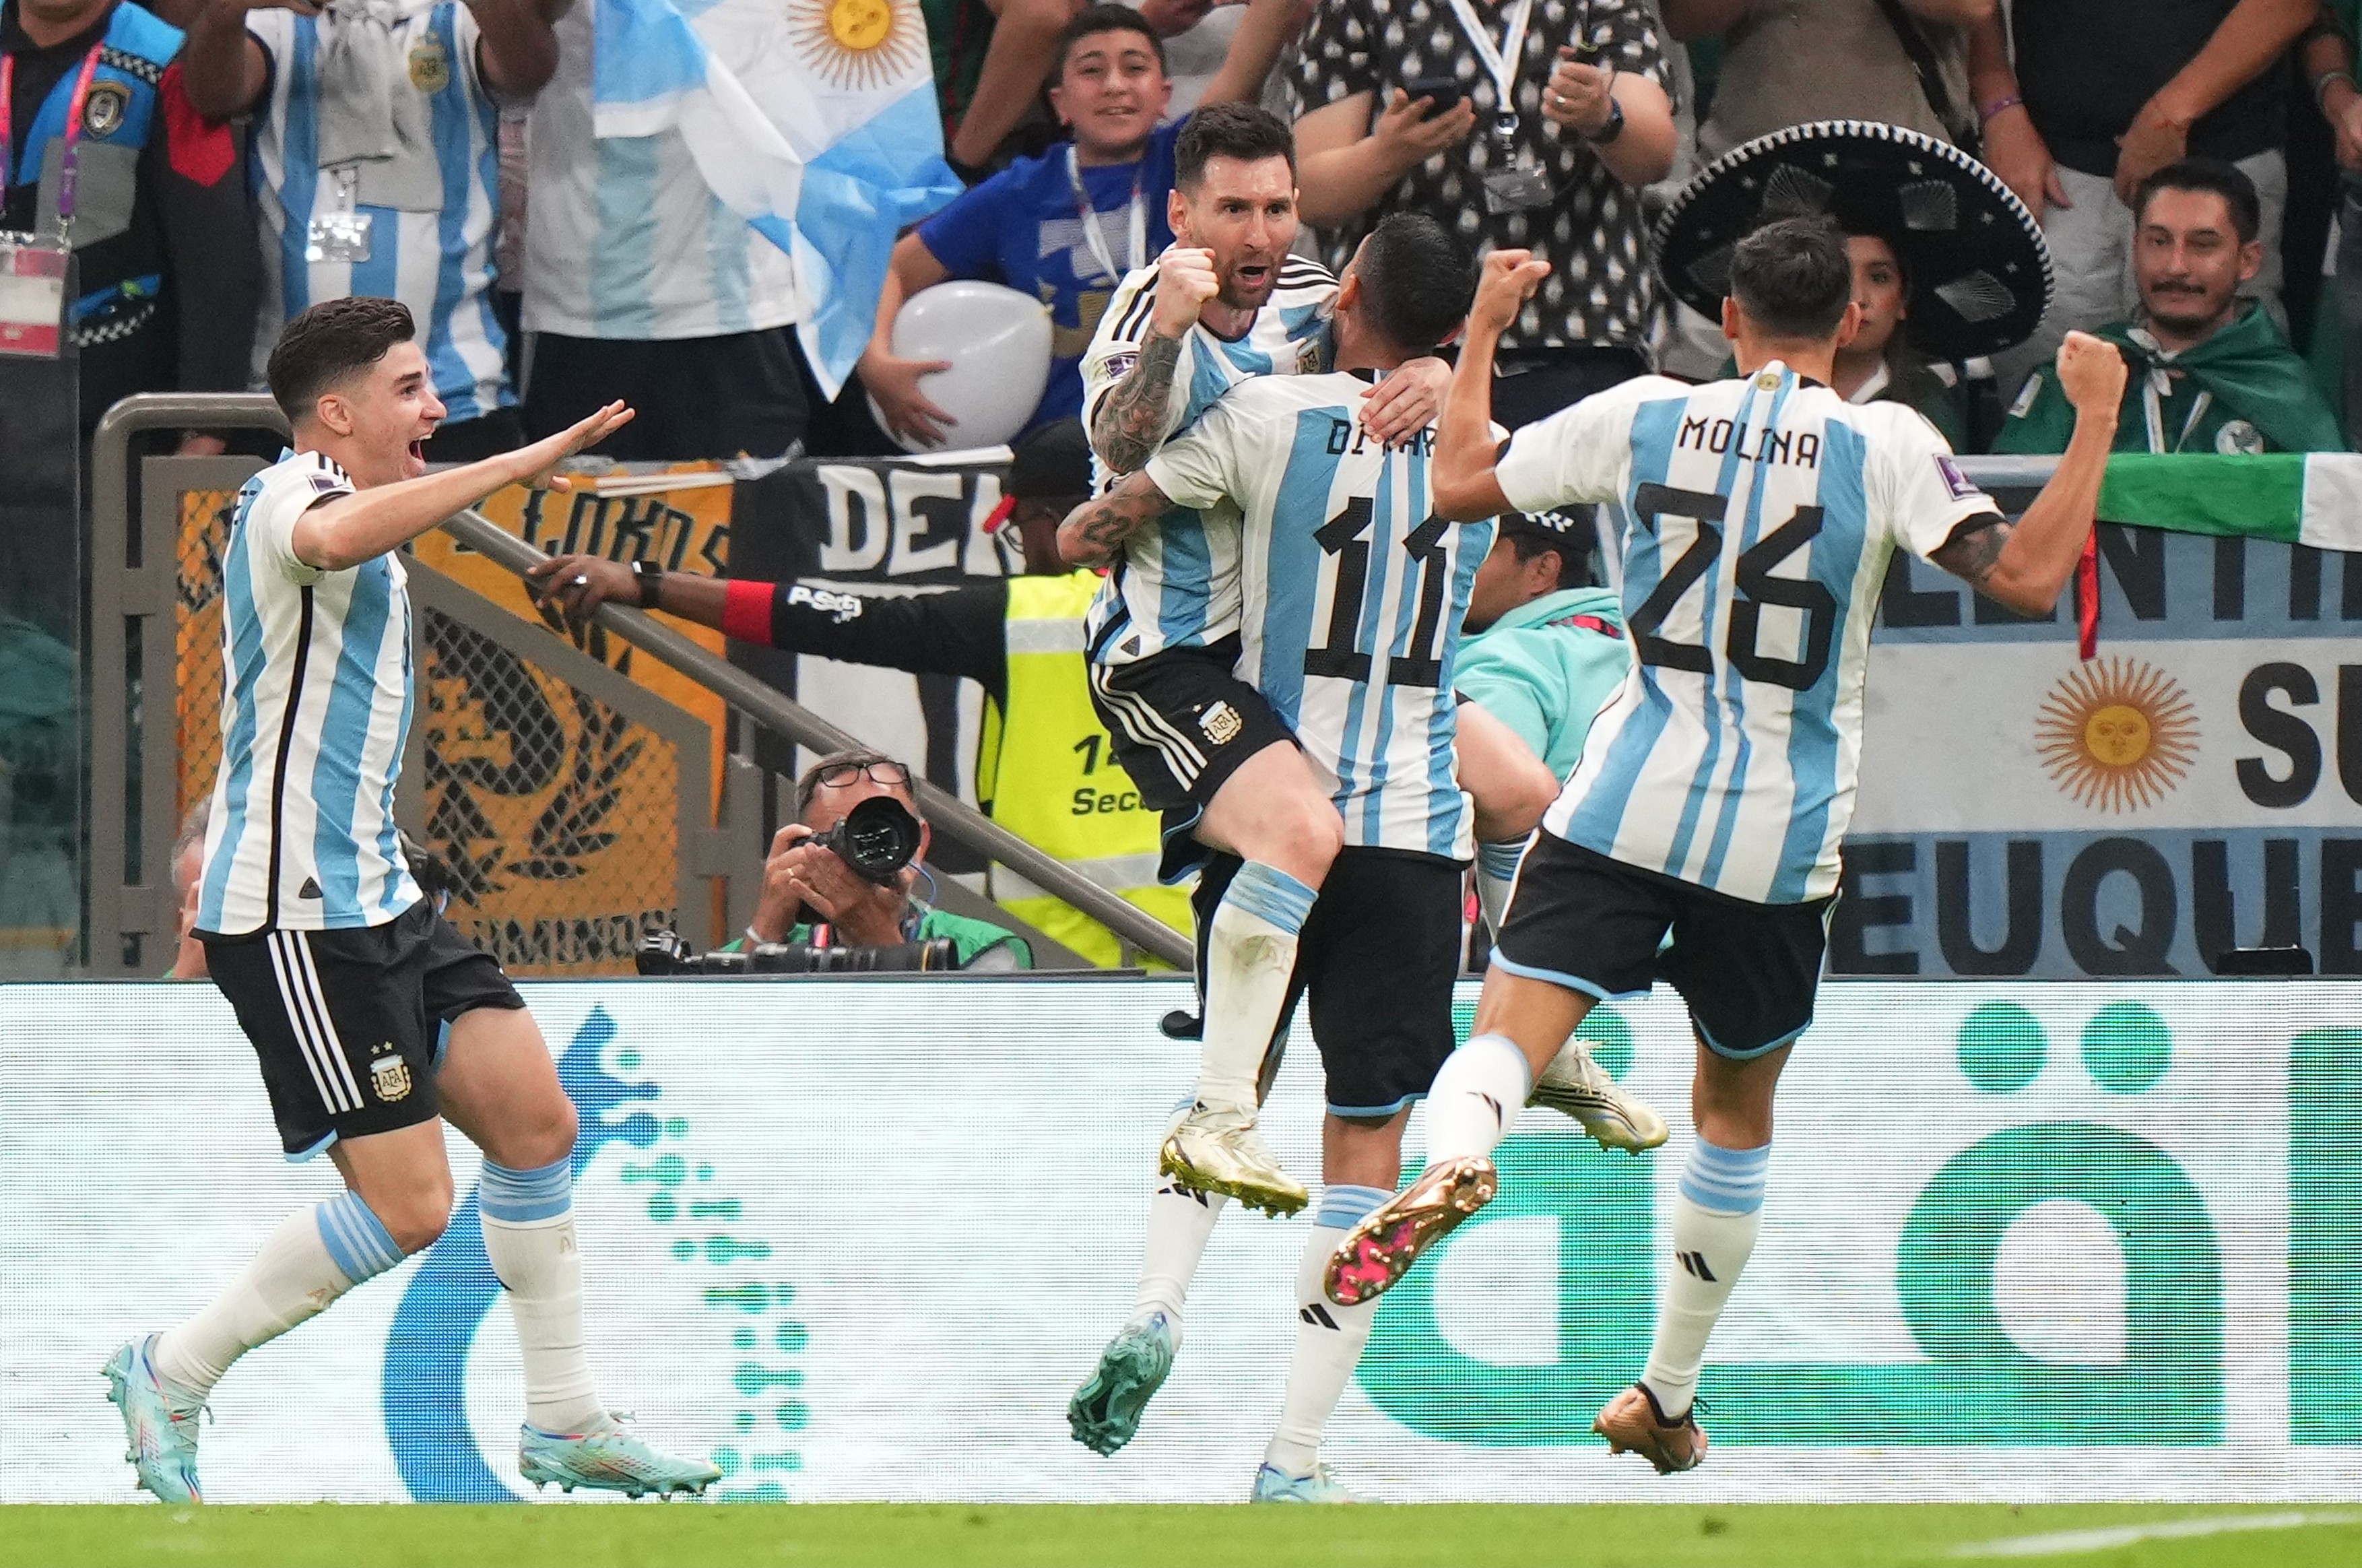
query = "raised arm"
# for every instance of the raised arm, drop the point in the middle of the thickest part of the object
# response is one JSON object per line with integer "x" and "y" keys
{"x": 347, "y": 530}
{"x": 223, "y": 66}
{"x": 1263, "y": 32}
{"x": 1465, "y": 486}
{"x": 2246, "y": 43}
{"x": 1094, "y": 531}
{"x": 519, "y": 47}
{"x": 2024, "y": 566}
{"x": 1345, "y": 165}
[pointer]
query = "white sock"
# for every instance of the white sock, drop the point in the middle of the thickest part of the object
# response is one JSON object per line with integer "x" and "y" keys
{"x": 1180, "y": 1223}
{"x": 1329, "y": 1338}
{"x": 1476, "y": 1099}
{"x": 1250, "y": 957}
{"x": 529, "y": 1236}
{"x": 1716, "y": 1217}
{"x": 313, "y": 1257}
{"x": 1496, "y": 874}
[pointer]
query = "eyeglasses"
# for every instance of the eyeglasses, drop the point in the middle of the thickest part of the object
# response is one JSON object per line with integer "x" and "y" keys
{"x": 892, "y": 774}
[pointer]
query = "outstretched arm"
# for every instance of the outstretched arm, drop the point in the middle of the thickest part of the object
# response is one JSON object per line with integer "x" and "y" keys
{"x": 2026, "y": 564}
{"x": 1094, "y": 531}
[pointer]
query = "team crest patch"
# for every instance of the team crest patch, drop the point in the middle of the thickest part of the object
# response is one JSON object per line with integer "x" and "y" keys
{"x": 103, "y": 111}
{"x": 389, "y": 1074}
{"x": 1222, "y": 723}
{"x": 2239, "y": 437}
{"x": 430, "y": 66}
{"x": 1307, "y": 357}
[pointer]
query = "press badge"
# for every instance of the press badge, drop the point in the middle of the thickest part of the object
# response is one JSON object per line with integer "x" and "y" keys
{"x": 341, "y": 234}
{"x": 1517, "y": 189}
{"x": 32, "y": 297}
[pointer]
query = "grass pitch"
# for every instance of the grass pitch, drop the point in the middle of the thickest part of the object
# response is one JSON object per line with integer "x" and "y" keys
{"x": 937, "y": 1536}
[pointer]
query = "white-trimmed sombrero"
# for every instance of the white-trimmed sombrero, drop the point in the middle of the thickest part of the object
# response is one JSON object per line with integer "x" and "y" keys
{"x": 1979, "y": 269}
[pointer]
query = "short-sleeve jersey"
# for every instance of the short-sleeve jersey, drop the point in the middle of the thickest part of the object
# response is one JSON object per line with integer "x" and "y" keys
{"x": 1761, "y": 515}
{"x": 316, "y": 701}
{"x": 1175, "y": 585}
{"x": 1353, "y": 594}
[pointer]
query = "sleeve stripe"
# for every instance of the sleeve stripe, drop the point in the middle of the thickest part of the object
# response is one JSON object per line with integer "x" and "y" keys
{"x": 1136, "y": 311}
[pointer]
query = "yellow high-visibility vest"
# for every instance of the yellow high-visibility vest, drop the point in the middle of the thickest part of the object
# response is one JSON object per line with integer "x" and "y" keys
{"x": 1047, "y": 771}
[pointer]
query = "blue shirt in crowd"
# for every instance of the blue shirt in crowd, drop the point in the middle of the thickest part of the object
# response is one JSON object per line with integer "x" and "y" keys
{"x": 1024, "y": 227}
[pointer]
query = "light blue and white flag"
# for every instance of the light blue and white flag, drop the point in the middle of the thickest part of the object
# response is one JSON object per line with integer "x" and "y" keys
{"x": 814, "y": 119}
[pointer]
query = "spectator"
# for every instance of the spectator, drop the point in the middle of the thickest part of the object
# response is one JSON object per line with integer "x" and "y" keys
{"x": 2102, "y": 96}
{"x": 2210, "y": 372}
{"x": 1044, "y": 769}
{"x": 1545, "y": 649}
{"x": 1901, "y": 61}
{"x": 1574, "y": 123}
{"x": 1880, "y": 364}
{"x": 640, "y": 284}
{"x": 2329, "y": 66}
{"x": 811, "y": 896}
{"x": 374, "y": 125}
{"x": 167, "y": 278}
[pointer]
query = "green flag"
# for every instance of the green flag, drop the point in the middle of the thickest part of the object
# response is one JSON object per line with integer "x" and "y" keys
{"x": 2296, "y": 498}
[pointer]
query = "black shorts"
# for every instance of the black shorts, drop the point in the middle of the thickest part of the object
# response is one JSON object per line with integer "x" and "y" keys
{"x": 1181, "y": 723}
{"x": 1748, "y": 971}
{"x": 347, "y": 1024}
{"x": 1378, "y": 954}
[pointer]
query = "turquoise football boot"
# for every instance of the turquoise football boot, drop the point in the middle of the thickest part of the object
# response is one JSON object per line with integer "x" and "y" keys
{"x": 608, "y": 1460}
{"x": 159, "y": 1424}
{"x": 1104, "y": 1412}
{"x": 1273, "y": 1485}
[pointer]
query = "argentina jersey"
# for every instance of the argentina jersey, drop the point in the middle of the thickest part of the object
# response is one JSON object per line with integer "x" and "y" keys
{"x": 1762, "y": 513}
{"x": 429, "y": 209}
{"x": 1351, "y": 596}
{"x": 1175, "y": 585}
{"x": 316, "y": 693}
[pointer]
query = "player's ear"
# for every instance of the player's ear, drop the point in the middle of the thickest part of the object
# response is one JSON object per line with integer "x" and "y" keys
{"x": 1849, "y": 324}
{"x": 333, "y": 414}
{"x": 1730, "y": 318}
{"x": 1176, "y": 213}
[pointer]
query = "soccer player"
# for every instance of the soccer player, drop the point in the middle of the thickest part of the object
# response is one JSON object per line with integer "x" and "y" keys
{"x": 1351, "y": 595}
{"x": 1713, "y": 791}
{"x": 341, "y": 975}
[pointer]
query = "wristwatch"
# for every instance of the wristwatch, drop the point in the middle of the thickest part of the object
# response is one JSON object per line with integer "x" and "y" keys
{"x": 650, "y": 577}
{"x": 1611, "y": 130}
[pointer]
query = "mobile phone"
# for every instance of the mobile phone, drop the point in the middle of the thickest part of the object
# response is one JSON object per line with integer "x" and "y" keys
{"x": 1446, "y": 93}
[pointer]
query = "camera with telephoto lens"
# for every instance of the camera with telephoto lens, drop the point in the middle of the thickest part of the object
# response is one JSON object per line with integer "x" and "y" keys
{"x": 877, "y": 838}
{"x": 665, "y": 952}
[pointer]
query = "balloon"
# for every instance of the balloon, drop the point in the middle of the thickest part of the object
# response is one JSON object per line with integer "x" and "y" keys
{"x": 998, "y": 341}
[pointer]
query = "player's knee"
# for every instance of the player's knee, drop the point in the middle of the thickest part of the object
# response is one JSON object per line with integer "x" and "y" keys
{"x": 417, "y": 1220}
{"x": 1315, "y": 835}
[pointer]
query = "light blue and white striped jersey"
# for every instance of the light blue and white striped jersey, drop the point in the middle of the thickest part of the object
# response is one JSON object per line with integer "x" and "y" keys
{"x": 1762, "y": 513}
{"x": 1351, "y": 596}
{"x": 438, "y": 262}
{"x": 623, "y": 239}
{"x": 1176, "y": 585}
{"x": 316, "y": 692}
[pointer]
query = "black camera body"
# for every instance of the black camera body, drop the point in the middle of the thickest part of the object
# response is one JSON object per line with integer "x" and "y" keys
{"x": 877, "y": 838}
{"x": 665, "y": 952}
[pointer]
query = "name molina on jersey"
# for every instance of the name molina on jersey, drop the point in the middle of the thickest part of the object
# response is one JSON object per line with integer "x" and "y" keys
{"x": 1800, "y": 446}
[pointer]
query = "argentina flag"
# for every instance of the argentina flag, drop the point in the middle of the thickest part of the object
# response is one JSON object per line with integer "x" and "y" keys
{"x": 814, "y": 119}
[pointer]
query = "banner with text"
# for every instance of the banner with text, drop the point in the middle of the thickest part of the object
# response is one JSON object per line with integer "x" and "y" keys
{"x": 2025, "y": 1241}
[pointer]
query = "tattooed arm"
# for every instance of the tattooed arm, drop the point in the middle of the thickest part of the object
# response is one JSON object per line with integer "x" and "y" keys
{"x": 1096, "y": 530}
{"x": 1129, "y": 422}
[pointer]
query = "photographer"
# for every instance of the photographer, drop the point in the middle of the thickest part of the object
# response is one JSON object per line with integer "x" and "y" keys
{"x": 811, "y": 896}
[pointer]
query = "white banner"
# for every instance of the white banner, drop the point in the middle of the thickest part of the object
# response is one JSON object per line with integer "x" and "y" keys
{"x": 861, "y": 1240}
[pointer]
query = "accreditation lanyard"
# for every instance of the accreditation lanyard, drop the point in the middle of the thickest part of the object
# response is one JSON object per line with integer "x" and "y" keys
{"x": 1136, "y": 221}
{"x": 1500, "y": 60}
{"x": 74, "y": 107}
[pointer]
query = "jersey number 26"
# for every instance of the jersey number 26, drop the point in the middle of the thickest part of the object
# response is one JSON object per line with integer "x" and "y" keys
{"x": 1756, "y": 588}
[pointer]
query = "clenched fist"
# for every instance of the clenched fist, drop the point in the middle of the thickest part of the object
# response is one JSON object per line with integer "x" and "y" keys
{"x": 2091, "y": 373}
{"x": 1184, "y": 282}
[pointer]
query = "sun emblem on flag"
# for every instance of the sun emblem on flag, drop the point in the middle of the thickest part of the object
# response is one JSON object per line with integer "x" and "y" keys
{"x": 2117, "y": 734}
{"x": 858, "y": 44}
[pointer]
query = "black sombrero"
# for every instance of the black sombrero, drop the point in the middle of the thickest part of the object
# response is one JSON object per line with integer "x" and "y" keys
{"x": 1980, "y": 272}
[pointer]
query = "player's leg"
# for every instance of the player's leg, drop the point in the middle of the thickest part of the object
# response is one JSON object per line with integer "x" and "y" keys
{"x": 1381, "y": 953}
{"x": 1582, "y": 927}
{"x": 1205, "y": 749}
{"x": 1748, "y": 972}
{"x": 500, "y": 1088}
{"x": 345, "y": 1061}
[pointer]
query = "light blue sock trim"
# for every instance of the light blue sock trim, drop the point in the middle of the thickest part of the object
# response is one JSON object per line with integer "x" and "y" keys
{"x": 1500, "y": 860}
{"x": 357, "y": 1240}
{"x": 1272, "y": 893}
{"x": 1503, "y": 1043}
{"x": 516, "y": 1196}
{"x": 1727, "y": 1181}
{"x": 1343, "y": 1207}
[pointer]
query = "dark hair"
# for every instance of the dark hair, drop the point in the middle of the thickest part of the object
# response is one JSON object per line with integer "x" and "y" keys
{"x": 1418, "y": 279}
{"x": 2225, "y": 180}
{"x": 1092, "y": 20}
{"x": 329, "y": 342}
{"x": 1531, "y": 537}
{"x": 1794, "y": 278}
{"x": 1230, "y": 131}
{"x": 807, "y": 783}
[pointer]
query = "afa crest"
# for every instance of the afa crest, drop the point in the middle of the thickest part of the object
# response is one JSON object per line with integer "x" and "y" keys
{"x": 430, "y": 66}
{"x": 1222, "y": 723}
{"x": 389, "y": 1074}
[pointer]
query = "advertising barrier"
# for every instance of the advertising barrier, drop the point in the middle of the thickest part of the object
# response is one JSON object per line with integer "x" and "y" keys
{"x": 860, "y": 1240}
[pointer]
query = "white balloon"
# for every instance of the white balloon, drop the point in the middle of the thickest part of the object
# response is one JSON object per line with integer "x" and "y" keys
{"x": 998, "y": 341}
